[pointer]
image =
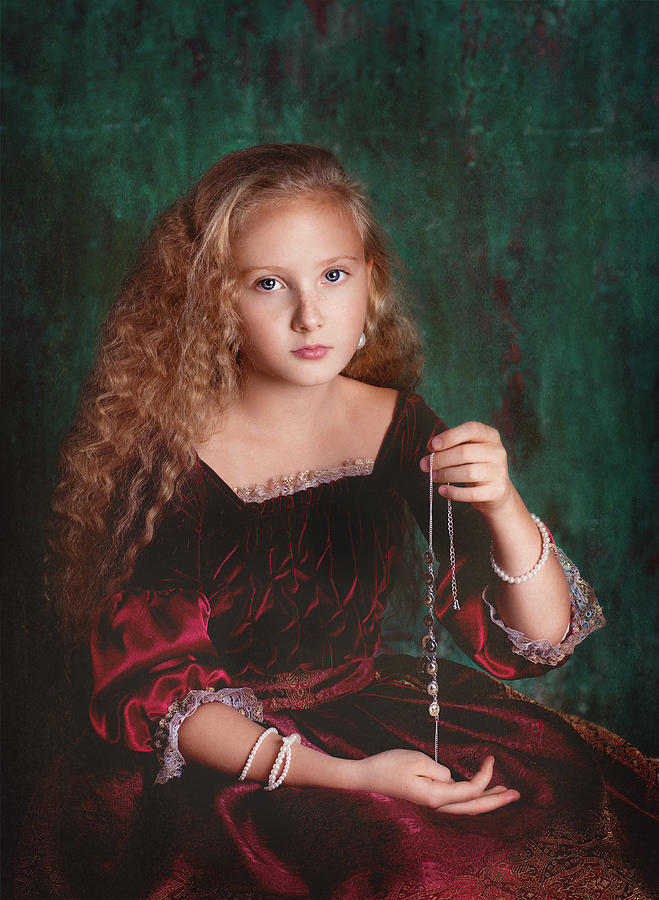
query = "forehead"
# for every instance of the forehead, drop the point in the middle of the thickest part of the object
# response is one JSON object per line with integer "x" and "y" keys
{"x": 314, "y": 217}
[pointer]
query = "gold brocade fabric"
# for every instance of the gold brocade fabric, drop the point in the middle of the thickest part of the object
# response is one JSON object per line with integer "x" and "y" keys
{"x": 294, "y": 690}
{"x": 601, "y": 740}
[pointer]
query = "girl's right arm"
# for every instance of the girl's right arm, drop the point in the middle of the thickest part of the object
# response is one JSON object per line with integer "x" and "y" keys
{"x": 221, "y": 738}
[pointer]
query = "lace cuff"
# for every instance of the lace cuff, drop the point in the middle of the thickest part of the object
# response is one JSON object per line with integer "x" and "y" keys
{"x": 585, "y": 617}
{"x": 166, "y": 739}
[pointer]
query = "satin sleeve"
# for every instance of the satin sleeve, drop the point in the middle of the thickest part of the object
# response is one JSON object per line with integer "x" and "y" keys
{"x": 150, "y": 649}
{"x": 477, "y": 632}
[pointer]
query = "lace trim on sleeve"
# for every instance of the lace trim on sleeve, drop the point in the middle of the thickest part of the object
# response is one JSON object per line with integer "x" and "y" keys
{"x": 166, "y": 739}
{"x": 585, "y": 617}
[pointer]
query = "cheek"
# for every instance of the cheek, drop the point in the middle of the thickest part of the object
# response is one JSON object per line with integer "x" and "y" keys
{"x": 252, "y": 326}
{"x": 359, "y": 305}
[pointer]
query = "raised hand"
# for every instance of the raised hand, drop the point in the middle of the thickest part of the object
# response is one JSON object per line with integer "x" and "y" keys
{"x": 409, "y": 775}
{"x": 470, "y": 463}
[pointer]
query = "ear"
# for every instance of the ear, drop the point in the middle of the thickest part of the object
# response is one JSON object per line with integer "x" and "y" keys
{"x": 369, "y": 269}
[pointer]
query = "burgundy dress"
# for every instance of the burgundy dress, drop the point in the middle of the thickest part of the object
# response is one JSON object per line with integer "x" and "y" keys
{"x": 275, "y": 606}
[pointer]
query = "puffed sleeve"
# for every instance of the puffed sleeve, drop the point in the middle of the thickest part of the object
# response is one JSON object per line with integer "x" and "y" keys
{"x": 152, "y": 660}
{"x": 476, "y": 627}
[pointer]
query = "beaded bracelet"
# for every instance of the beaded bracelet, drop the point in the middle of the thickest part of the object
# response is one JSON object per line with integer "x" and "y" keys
{"x": 518, "y": 579}
{"x": 253, "y": 751}
{"x": 284, "y": 761}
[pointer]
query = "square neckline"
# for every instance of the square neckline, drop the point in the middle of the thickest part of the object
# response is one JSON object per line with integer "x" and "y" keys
{"x": 377, "y": 464}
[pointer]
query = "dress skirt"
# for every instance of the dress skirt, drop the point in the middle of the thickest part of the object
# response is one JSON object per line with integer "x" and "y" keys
{"x": 585, "y": 826}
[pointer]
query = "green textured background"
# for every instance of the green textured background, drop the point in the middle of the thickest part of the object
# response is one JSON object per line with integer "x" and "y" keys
{"x": 510, "y": 148}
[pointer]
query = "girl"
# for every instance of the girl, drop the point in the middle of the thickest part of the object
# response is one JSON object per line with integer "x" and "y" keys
{"x": 228, "y": 522}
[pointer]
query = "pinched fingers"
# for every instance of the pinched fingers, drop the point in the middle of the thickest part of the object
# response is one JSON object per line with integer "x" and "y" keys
{"x": 465, "y": 473}
{"x": 484, "y": 775}
{"x": 414, "y": 776}
{"x": 471, "y": 466}
{"x": 473, "y": 796}
{"x": 478, "y": 783}
{"x": 406, "y": 774}
{"x": 428, "y": 768}
{"x": 479, "y": 495}
{"x": 466, "y": 433}
{"x": 456, "y": 460}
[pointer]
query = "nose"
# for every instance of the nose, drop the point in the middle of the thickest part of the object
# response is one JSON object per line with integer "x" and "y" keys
{"x": 307, "y": 316}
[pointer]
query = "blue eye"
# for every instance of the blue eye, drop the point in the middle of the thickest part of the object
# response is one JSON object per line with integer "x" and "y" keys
{"x": 334, "y": 276}
{"x": 268, "y": 284}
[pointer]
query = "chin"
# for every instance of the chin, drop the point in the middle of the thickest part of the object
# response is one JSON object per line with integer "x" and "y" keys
{"x": 306, "y": 373}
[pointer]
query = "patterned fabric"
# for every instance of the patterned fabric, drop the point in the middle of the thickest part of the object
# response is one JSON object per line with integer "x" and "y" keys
{"x": 585, "y": 827}
{"x": 302, "y": 481}
{"x": 284, "y": 598}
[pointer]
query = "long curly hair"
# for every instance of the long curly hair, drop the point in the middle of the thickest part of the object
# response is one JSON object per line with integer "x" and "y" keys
{"x": 168, "y": 361}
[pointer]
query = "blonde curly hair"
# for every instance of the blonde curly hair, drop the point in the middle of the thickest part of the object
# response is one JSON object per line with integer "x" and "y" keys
{"x": 168, "y": 361}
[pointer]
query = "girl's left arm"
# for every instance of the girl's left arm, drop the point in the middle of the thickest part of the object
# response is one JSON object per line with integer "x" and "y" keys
{"x": 470, "y": 466}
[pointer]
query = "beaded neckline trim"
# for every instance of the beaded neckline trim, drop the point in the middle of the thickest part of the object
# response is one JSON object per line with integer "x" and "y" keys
{"x": 302, "y": 481}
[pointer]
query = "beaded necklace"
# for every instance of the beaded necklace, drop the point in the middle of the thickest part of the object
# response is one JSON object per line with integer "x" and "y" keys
{"x": 429, "y": 642}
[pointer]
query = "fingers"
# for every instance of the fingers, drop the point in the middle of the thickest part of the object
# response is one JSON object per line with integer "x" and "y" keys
{"x": 478, "y": 445}
{"x": 474, "y": 494}
{"x": 484, "y": 775}
{"x": 490, "y": 800}
{"x": 468, "y": 432}
{"x": 467, "y": 473}
{"x": 439, "y": 793}
{"x": 472, "y": 797}
{"x": 418, "y": 778}
{"x": 428, "y": 768}
{"x": 471, "y": 466}
{"x": 463, "y": 455}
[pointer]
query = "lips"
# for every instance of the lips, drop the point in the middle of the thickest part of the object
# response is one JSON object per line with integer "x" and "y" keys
{"x": 315, "y": 351}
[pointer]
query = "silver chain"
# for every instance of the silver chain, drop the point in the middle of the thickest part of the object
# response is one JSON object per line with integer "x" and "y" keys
{"x": 430, "y": 506}
{"x": 451, "y": 546}
{"x": 429, "y": 642}
{"x": 451, "y": 553}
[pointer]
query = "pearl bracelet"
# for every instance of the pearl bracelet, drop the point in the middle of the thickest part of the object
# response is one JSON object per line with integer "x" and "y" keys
{"x": 546, "y": 545}
{"x": 253, "y": 751}
{"x": 283, "y": 761}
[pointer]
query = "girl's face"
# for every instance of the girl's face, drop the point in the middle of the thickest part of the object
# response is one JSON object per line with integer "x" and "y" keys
{"x": 302, "y": 290}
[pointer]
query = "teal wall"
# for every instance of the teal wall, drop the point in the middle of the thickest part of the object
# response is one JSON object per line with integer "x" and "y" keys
{"x": 511, "y": 152}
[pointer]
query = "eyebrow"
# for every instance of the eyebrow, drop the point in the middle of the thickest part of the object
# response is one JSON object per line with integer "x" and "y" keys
{"x": 322, "y": 264}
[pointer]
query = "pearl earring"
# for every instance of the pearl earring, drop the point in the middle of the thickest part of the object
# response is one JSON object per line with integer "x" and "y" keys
{"x": 361, "y": 341}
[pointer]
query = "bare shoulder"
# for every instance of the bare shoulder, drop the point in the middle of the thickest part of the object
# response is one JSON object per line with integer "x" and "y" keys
{"x": 371, "y": 409}
{"x": 370, "y": 395}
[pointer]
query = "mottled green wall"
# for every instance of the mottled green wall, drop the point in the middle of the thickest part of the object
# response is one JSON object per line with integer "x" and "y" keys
{"x": 510, "y": 149}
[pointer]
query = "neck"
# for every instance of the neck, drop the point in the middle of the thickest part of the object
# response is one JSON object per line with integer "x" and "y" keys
{"x": 274, "y": 407}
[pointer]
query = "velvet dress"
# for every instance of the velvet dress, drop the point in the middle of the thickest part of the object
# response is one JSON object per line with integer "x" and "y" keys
{"x": 271, "y": 600}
